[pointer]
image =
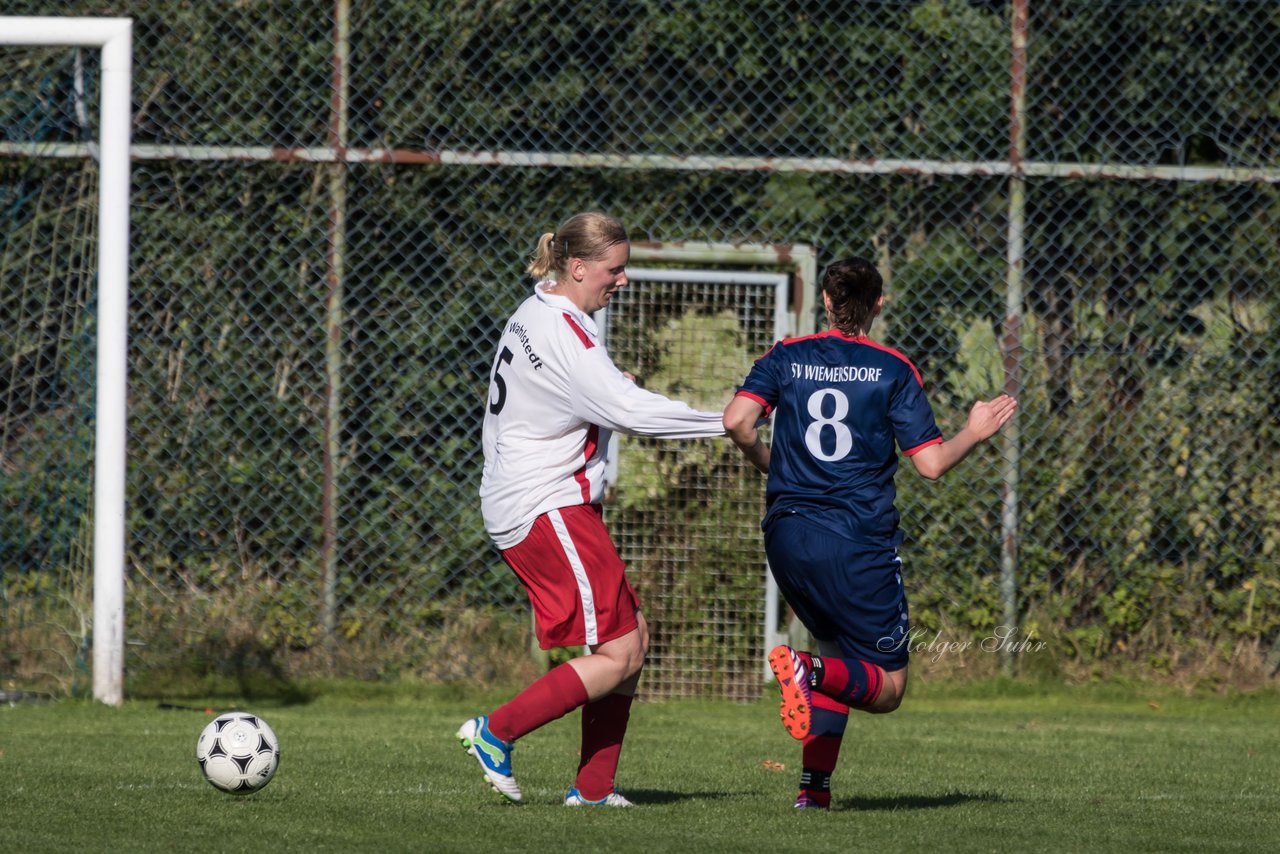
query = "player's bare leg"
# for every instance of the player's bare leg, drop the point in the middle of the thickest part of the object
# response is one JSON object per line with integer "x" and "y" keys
{"x": 891, "y": 694}
{"x": 891, "y": 690}
{"x": 614, "y": 666}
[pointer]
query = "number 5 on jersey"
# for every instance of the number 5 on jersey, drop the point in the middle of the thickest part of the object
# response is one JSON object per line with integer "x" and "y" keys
{"x": 495, "y": 406}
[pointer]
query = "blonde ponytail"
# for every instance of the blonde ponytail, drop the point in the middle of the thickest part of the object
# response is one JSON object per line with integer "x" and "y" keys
{"x": 543, "y": 262}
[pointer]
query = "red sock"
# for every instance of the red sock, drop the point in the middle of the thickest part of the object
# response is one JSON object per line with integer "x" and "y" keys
{"x": 821, "y": 749}
{"x": 554, "y": 695}
{"x": 604, "y": 724}
{"x": 849, "y": 680}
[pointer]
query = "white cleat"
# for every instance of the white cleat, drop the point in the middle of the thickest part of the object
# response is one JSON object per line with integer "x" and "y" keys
{"x": 613, "y": 799}
{"x": 493, "y": 754}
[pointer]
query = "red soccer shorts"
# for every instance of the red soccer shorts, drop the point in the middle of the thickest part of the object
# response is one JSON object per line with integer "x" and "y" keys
{"x": 575, "y": 579}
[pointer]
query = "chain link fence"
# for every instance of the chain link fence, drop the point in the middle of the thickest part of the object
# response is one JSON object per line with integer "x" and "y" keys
{"x": 330, "y": 212}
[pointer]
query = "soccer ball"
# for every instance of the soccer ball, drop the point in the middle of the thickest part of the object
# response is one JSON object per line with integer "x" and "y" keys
{"x": 238, "y": 753}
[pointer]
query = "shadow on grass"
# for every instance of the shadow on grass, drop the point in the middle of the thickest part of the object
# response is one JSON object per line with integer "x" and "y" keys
{"x": 915, "y": 802}
{"x": 219, "y": 666}
{"x": 657, "y": 797}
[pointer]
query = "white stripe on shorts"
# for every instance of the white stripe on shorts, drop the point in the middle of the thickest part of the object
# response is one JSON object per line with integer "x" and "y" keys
{"x": 579, "y": 574}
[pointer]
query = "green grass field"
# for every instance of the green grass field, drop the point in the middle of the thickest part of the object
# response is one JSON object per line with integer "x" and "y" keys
{"x": 987, "y": 767}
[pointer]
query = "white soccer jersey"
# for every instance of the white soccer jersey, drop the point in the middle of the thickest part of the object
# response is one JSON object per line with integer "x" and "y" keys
{"x": 554, "y": 398}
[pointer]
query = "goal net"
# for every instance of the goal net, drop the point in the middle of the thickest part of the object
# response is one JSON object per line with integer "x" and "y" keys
{"x": 686, "y": 515}
{"x": 64, "y": 179}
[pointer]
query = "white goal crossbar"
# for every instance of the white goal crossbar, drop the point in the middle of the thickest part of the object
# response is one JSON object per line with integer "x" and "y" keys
{"x": 114, "y": 37}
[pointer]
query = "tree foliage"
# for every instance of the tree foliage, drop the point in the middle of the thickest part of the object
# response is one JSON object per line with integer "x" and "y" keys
{"x": 1149, "y": 375}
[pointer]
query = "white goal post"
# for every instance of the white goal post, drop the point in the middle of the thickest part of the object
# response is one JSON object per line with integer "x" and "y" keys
{"x": 783, "y": 325}
{"x": 114, "y": 37}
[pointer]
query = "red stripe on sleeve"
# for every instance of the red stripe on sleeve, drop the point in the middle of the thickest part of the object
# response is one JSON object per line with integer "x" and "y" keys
{"x": 918, "y": 448}
{"x": 579, "y": 331}
{"x": 757, "y": 398}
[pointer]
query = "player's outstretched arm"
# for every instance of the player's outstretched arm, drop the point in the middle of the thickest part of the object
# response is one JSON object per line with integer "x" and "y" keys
{"x": 603, "y": 395}
{"x": 985, "y": 420}
{"x": 740, "y": 419}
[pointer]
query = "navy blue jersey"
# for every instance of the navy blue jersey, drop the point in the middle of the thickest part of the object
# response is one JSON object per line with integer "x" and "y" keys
{"x": 839, "y": 406}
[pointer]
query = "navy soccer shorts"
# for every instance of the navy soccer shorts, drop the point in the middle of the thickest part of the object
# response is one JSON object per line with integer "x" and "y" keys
{"x": 844, "y": 593}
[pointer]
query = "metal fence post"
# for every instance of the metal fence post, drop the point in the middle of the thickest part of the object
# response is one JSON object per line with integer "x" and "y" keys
{"x": 335, "y": 262}
{"x": 1013, "y": 327}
